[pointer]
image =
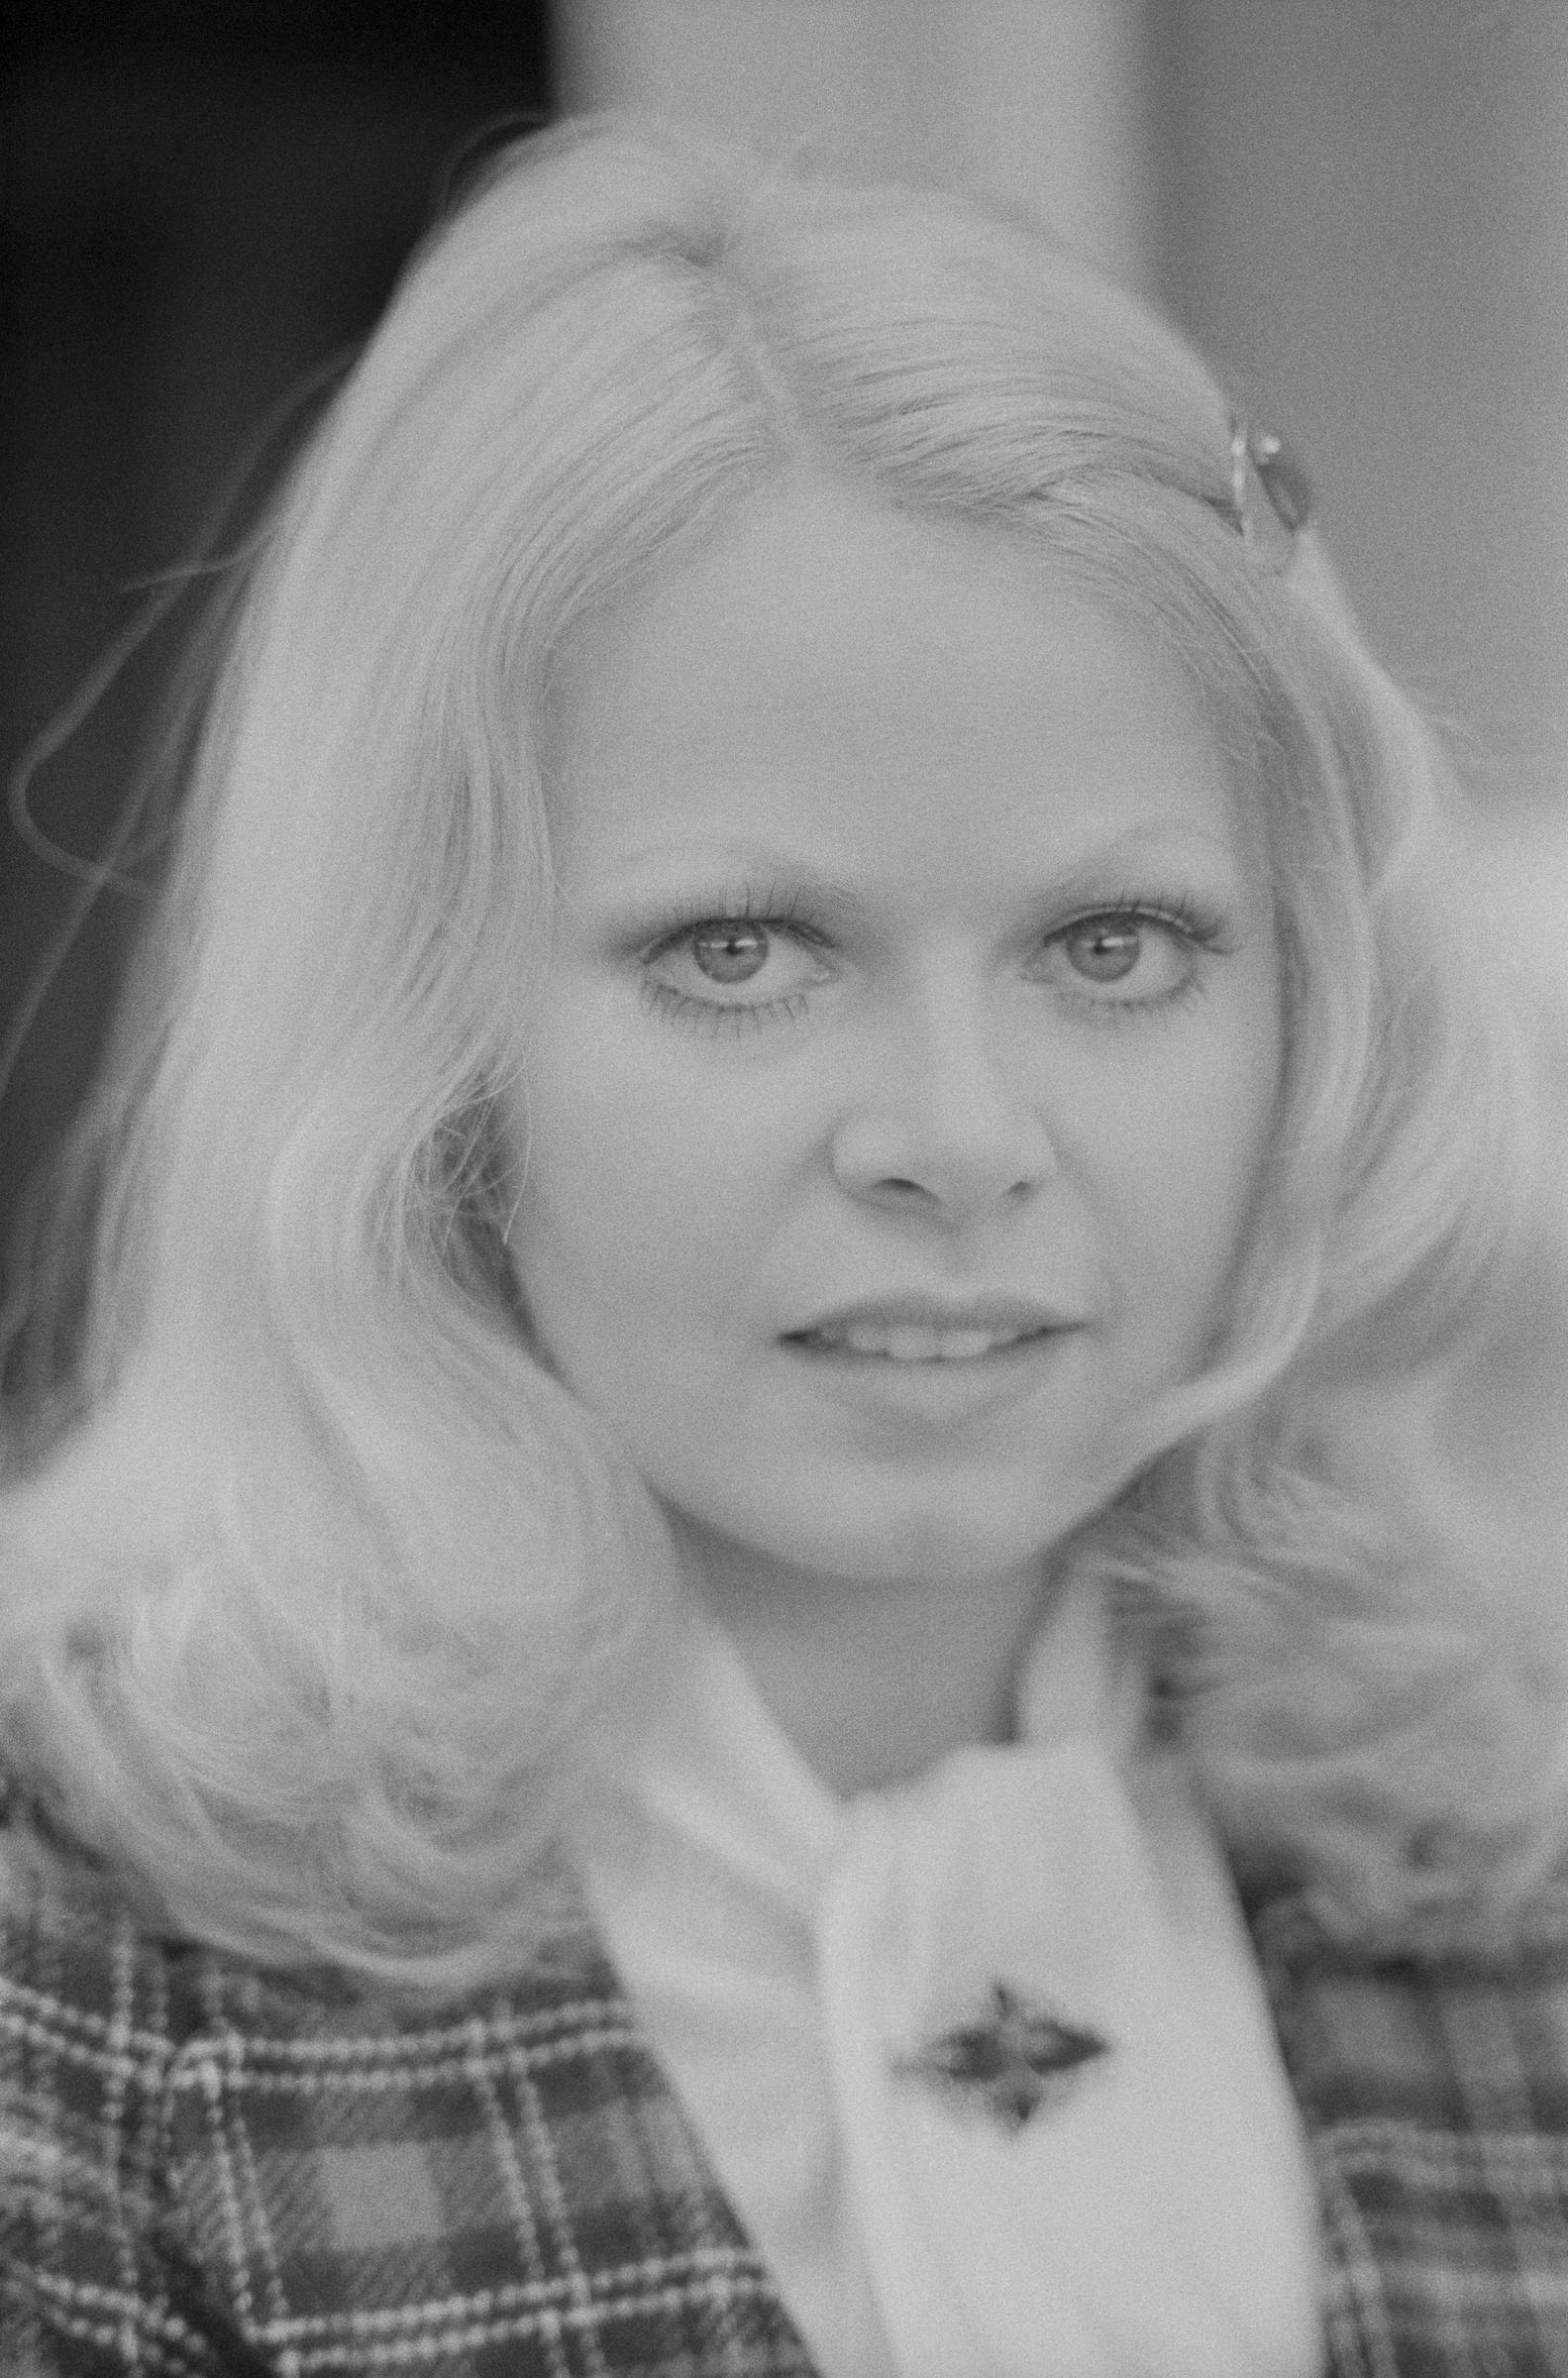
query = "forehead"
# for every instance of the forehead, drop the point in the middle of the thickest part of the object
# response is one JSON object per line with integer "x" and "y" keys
{"x": 825, "y": 665}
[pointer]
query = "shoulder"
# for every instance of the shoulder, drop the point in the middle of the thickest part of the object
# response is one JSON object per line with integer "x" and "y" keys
{"x": 1433, "y": 2096}
{"x": 1469, "y": 2045}
{"x": 468, "y": 2186}
{"x": 93, "y": 2011}
{"x": 241, "y": 2170}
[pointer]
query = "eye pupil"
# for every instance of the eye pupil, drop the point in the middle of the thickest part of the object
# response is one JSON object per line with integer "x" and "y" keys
{"x": 729, "y": 953}
{"x": 1104, "y": 950}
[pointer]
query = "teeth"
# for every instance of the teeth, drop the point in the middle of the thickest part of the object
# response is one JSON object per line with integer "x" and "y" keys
{"x": 961, "y": 1346}
{"x": 911, "y": 1341}
{"x": 905, "y": 1342}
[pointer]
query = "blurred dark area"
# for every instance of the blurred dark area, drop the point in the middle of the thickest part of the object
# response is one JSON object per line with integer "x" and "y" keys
{"x": 204, "y": 201}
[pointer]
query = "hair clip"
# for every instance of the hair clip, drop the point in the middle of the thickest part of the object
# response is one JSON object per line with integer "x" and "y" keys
{"x": 1261, "y": 461}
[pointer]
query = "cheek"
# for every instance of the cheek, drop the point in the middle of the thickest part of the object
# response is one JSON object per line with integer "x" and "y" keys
{"x": 651, "y": 1182}
{"x": 1179, "y": 1160}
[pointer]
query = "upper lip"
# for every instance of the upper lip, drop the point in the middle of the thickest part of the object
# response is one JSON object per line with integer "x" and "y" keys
{"x": 1001, "y": 1314}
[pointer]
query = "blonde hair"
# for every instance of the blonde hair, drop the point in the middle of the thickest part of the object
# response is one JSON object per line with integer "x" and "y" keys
{"x": 315, "y": 1602}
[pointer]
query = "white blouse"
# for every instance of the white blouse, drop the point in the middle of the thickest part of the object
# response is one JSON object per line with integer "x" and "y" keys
{"x": 983, "y": 2061}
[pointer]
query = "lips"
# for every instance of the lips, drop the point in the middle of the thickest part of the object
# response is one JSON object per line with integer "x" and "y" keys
{"x": 924, "y": 1329}
{"x": 912, "y": 1342}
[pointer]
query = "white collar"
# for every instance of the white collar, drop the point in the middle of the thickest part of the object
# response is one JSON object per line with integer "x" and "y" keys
{"x": 802, "y": 1959}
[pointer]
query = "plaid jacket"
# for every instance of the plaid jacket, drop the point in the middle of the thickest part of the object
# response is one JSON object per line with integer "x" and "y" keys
{"x": 208, "y": 2171}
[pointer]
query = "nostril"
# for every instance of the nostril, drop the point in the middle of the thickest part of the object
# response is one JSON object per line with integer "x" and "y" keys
{"x": 899, "y": 1190}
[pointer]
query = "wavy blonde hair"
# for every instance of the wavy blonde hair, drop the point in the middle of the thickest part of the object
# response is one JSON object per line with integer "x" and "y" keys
{"x": 318, "y": 1592}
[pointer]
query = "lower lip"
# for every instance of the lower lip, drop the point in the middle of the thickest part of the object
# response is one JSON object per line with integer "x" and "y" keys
{"x": 936, "y": 1389}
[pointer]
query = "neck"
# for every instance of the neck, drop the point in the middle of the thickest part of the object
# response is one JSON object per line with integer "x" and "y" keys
{"x": 871, "y": 1681}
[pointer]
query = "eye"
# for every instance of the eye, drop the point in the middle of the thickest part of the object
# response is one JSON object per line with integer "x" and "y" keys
{"x": 1125, "y": 957}
{"x": 729, "y": 952}
{"x": 747, "y": 964}
{"x": 1105, "y": 950}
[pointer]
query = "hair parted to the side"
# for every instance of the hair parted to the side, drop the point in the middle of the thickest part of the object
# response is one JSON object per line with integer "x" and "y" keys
{"x": 312, "y": 1607}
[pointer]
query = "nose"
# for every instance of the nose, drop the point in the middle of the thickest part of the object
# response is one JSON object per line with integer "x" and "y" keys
{"x": 944, "y": 1130}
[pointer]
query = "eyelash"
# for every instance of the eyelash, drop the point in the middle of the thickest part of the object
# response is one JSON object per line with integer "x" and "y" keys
{"x": 767, "y": 909}
{"x": 1200, "y": 930}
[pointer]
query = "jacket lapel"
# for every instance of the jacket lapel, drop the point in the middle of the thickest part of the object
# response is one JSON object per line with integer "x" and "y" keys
{"x": 501, "y": 2187}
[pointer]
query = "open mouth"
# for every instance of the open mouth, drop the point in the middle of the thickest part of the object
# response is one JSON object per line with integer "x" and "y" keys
{"x": 911, "y": 1341}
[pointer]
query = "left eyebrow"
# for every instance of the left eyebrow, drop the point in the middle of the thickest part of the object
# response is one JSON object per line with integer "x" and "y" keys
{"x": 657, "y": 876}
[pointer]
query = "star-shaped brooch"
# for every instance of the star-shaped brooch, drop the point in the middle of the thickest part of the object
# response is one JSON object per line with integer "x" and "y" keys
{"x": 1018, "y": 2056}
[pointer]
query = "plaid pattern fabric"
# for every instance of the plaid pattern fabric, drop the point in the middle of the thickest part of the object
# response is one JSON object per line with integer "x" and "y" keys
{"x": 206, "y": 2172}
{"x": 210, "y": 2173}
{"x": 1435, "y": 2104}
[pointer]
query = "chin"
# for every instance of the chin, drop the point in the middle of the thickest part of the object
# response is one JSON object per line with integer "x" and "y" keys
{"x": 939, "y": 1531}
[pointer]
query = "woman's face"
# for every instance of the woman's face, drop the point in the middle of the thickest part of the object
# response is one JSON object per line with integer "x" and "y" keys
{"x": 910, "y": 1043}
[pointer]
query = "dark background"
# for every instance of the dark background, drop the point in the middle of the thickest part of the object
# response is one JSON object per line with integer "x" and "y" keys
{"x": 202, "y": 201}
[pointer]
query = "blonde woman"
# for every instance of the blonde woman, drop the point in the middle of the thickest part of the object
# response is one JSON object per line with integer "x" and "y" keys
{"x": 697, "y": 1670}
